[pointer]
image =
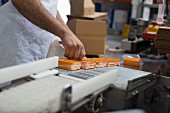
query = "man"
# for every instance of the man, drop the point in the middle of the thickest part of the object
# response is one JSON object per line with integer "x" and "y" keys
{"x": 23, "y": 32}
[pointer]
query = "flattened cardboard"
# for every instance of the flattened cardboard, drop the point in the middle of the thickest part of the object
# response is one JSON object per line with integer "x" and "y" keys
{"x": 96, "y": 16}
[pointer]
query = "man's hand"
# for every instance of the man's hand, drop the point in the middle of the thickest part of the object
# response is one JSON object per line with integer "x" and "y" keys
{"x": 74, "y": 49}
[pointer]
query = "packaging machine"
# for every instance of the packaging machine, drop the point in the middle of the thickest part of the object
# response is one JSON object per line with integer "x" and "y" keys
{"x": 40, "y": 87}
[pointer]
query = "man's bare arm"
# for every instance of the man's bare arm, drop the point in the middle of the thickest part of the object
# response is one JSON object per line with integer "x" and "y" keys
{"x": 77, "y": 53}
{"x": 36, "y": 13}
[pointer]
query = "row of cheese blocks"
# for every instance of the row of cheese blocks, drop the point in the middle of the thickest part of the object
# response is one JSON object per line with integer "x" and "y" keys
{"x": 87, "y": 63}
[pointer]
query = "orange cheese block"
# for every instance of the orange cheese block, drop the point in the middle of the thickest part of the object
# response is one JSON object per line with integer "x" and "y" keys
{"x": 100, "y": 62}
{"x": 69, "y": 65}
{"x": 136, "y": 62}
{"x": 87, "y": 64}
{"x": 111, "y": 62}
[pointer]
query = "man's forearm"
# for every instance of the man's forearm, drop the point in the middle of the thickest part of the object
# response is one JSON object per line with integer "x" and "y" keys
{"x": 36, "y": 13}
{"x": 58, "y": 17}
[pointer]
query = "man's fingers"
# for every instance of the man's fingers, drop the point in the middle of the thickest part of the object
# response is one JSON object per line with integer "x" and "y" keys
{"x": 72, "y": 52}
{"x": 77, "y": 53}
{"x": 83, "y": 53}
{"x": 67, "y": 51}
{"x": 74, "y": 49}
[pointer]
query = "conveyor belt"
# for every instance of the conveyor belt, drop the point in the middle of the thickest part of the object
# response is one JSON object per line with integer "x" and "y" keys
{"x": 34, "y": 96}
{"x": 124, "y": 74}
{"x": 85, "y": 74}
{"x": 45, "y": 94}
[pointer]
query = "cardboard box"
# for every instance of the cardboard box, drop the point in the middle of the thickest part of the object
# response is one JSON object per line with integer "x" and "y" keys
{"x": 91, "y": 33}
{"x": 82, "y": 7}
{"x": 94, "y": 45}
{"x": 168, "y": 56}
{"x": 87, "y": 27}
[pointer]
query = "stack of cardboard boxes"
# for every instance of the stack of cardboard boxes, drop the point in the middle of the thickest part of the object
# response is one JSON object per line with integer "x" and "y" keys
{"x": 162, "y": 43}
{"x": 88, "y": 26}
{"x": 167, "y": 67}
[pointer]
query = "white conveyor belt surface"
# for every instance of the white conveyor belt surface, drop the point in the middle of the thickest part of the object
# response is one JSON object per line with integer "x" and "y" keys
{"x": 44, "y": 95}
{"x": 124, "y": 75}
{"x": 35, "y": 96}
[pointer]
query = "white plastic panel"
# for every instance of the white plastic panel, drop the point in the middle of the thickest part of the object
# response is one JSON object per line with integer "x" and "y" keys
{"x": 16, "y": 72}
